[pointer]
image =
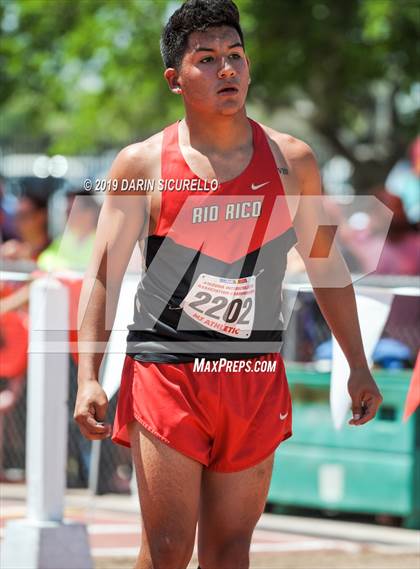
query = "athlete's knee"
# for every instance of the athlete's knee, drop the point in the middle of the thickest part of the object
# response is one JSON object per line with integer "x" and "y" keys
{"x": 231, "y": 552}
{"x": 170, "y": 551}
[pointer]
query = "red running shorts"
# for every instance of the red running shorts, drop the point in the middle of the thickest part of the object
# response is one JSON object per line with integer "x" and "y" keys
{"x": 228, "y": 419}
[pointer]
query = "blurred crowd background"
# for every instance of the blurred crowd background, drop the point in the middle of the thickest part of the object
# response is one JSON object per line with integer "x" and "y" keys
{"x": 80, "y": 80}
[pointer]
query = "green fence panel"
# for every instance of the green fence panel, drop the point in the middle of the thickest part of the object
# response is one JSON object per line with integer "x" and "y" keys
{"x": 373, "y": 469}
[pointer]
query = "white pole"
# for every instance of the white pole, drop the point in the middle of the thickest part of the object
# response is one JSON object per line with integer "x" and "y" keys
{"x": 43, "y": 540}
{"x": 47, "y": 420}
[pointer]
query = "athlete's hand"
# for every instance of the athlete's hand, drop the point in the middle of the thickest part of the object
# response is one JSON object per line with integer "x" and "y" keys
{"x": 90, "y": 411}
{"x": 365, "y": 396}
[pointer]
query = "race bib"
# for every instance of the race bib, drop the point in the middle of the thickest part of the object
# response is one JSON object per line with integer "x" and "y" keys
{"x": 224, "y": 305}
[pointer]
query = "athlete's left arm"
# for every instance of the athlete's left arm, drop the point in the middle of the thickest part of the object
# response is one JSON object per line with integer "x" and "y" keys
{"x": 331, "y": 282}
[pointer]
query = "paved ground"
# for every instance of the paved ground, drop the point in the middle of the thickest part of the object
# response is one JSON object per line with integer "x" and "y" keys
{"x": 279, "y": 542}
{"x": 318, "y": 560}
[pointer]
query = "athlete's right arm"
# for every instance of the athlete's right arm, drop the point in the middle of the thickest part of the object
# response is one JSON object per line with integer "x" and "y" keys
{"x": 122, "y": 221}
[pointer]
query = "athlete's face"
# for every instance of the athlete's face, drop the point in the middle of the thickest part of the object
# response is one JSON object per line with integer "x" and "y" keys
{"x": 214, "y": 74}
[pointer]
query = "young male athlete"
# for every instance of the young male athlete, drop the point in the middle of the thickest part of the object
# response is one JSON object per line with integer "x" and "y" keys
{"x": 204, "y": 400}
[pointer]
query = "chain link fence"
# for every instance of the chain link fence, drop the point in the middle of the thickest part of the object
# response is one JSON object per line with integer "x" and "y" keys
{"x": 115, "y": 465}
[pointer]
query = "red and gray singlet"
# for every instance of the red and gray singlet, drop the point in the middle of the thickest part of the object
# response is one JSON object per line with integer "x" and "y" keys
{"x": 214, "y": 266}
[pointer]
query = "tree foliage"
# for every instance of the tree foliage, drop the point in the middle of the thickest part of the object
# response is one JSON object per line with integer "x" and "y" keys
{"x": 349, "y": 66}
{"x": 86, "y": 75}
{"x": 82, "y": 76}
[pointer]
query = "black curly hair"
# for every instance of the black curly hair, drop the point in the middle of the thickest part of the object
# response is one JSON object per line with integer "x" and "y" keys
{"x": 195, "y": 16}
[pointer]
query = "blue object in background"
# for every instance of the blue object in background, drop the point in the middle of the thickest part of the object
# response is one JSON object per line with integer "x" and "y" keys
{"x": 388, "y": 354}
{"x": 323, "y": 351}
{"x": 392, "y": 354}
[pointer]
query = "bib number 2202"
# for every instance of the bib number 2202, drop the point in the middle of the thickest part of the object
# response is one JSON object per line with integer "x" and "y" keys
{"x": 224, "y": 305}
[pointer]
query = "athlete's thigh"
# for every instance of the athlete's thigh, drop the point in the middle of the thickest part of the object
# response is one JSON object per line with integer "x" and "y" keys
{"x": 232, "y": 503}
{"x": 169, "y": 488}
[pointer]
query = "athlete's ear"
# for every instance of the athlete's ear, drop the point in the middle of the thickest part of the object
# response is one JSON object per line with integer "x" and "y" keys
{"x": 171, "y": 76}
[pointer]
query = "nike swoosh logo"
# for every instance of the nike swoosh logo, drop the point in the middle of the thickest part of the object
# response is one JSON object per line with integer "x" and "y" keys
{"x": 282, "y": 417}
{"x": 258, "y": 186}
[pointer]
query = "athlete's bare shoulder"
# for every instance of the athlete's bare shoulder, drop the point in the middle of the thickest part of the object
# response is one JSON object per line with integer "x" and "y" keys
{"x": 296, "y": 162}
{"x": 140, "y": 160}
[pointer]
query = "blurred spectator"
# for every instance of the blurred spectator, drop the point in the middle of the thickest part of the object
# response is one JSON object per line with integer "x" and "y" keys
{"x": 13, "y": 359}
{"x": 31, "y": 221}
{"x": 400, "y": 254}
{"x": 401, "y": 251}
{"x": 72, "y": 250}
{"x": 7, "y": 226}
{"x": 404, "y": 181}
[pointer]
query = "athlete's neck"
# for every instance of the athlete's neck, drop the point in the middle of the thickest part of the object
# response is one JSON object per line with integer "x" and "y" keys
{"x": 221, "y": 134}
